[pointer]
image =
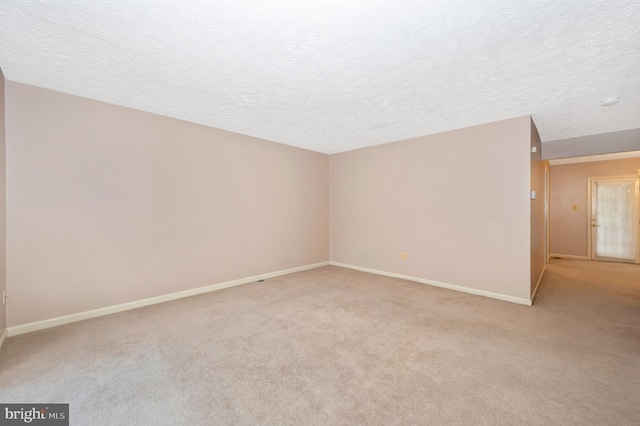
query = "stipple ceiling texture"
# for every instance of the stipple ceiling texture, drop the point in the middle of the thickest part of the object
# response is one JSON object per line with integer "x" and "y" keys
{"x": 336, "y": 75}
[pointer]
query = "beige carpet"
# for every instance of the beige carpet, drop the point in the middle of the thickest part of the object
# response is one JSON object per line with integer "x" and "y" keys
{"x": 335, "y": 346}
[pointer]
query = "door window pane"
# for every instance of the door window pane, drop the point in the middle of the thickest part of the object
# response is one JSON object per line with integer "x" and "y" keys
{"x": 615, "y": 205}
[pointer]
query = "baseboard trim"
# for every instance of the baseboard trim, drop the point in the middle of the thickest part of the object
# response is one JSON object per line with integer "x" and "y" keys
{"x": 568, "y": 256}
{"x": 535, "y": 290}
{"x": 53, "y": 322}
{"x": 504, "y": 297}
{"x": 3, "y": 336}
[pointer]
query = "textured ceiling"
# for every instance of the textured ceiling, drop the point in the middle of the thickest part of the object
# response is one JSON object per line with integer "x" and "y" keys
{"x": 336, "y": 75}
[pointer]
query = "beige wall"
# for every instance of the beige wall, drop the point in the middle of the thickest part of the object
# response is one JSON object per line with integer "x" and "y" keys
{"x": 3, "y": 205}
{"x": 457, "y": 203}
{"x": 569, "y": 231}
{"x": 538, "y": 230}
{"x": 107, "y": 205}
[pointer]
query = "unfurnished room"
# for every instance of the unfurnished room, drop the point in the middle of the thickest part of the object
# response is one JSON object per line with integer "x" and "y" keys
{"x": 309, "y": 213}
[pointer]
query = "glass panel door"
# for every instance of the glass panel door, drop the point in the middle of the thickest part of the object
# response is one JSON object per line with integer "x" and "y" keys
{"x": 614, "y": 219}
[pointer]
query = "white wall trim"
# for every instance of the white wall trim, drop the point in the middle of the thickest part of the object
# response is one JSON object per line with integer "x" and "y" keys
{"x": 569, "y": 256}
{"x": 535, "y": 290}
{"x": 53, "y": 322}
{"x": 3, "y": 336}
{"x": 504, "y": 297}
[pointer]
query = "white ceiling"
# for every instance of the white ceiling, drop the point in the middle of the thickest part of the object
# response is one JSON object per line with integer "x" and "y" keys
{"x": 336, "y": 75}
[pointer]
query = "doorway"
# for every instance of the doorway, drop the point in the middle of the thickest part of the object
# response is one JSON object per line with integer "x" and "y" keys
{"x": 613, "y": 219}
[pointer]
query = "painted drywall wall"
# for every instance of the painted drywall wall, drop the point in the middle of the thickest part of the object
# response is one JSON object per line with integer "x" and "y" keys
{"x": 457, "y": 203}
{"x": 107, "y": 205}
{"x": 538, "y": 230}
{"x": 3, "y": 204}
{"x": 569, "y": 201}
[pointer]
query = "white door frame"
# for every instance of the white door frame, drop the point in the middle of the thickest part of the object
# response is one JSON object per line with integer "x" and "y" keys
{"x": 590, "y": 213}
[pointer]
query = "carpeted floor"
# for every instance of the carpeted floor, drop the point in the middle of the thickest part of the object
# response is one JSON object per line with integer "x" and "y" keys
{"x": 336, "y": 346}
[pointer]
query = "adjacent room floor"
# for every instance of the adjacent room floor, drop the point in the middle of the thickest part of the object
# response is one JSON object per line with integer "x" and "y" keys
{"x": 336, "y": 346}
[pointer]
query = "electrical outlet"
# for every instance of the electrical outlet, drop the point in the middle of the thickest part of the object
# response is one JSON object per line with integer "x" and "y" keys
{"x": 403, "y": 256}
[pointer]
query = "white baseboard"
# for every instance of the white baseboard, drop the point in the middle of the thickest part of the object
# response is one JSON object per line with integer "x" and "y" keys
{"x": 513, "y": 299}
{"x": 535, "y": 290}
{"x": 2, "y": 337}
{"x": 53, "y": 322}
{"x": 568, "y": 256}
